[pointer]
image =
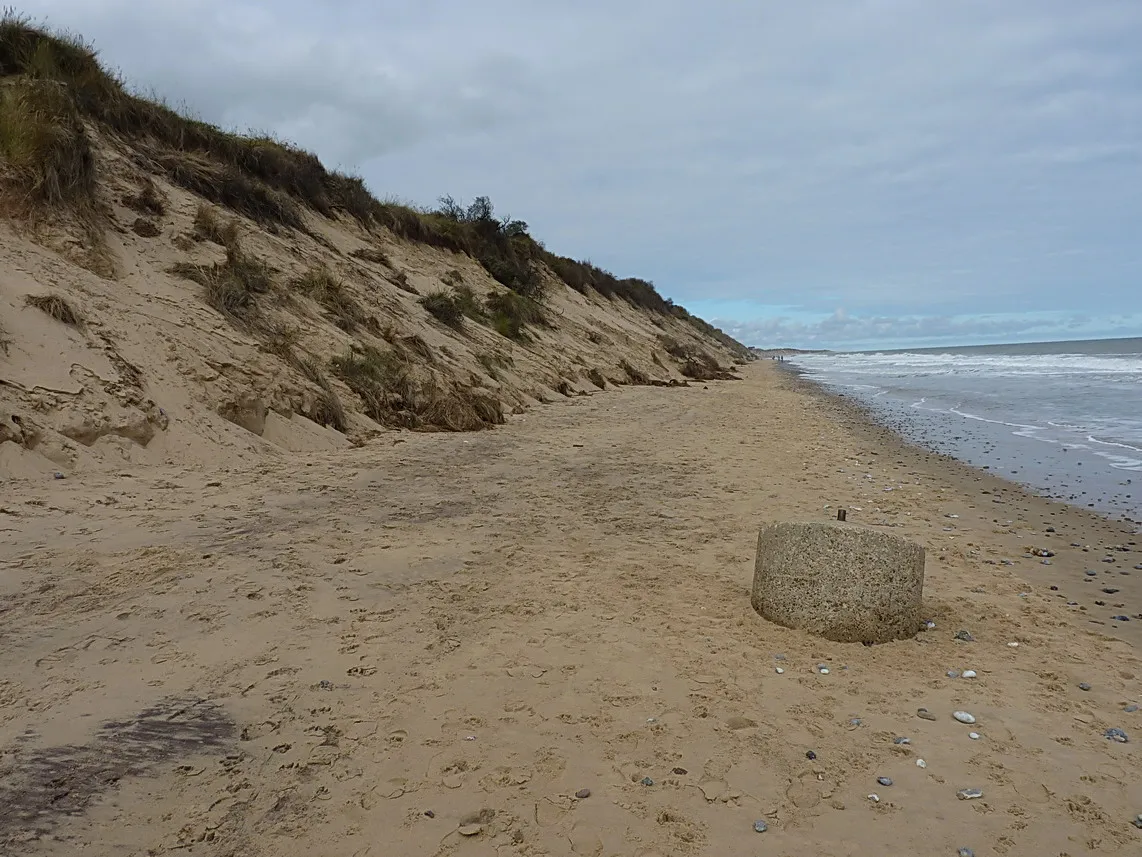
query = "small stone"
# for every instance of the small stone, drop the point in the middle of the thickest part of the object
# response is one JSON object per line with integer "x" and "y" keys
{"x": 779, "y": 657}
{"x": 930, "y": 625}
{"x": 965, "y": 636}
{"x": 1090, "y": 573}
{"x": 647, "y": 781}
{"x": 1130, "y": 709}
{"x": 58, "y": 475}
{"x": 1109, "y": 590}
{"x": 920, "y": 763}
{"x": 1120, "y": 618}
{"x": 856, "y": 721}
{"x": 780, "y": 671}
{"x": 975, "y": 736}
{"x": 583, "y": 794}
{"x": 969, "y": 674}
{"x": 680, "y": 772}
{"x": 325, "y": 684}
{"x": 963, "y": 717}
{"x": 810, "y": 755}
{"x": 874, "y": 798}
{"x": 428, "y": 813}
{"x": 965, "y": 852}
{"x": 822, "y": 669}
{"x": 1013, "y": 645}
{"x": 1138, "y": 821}
{"x": 760, "y": 826}
{"x": 953, "y": 673}
{"x": 1084, "y": 686}
{"x": 925, "y": 714}
{"x": 884, "y": 781}
{"x": 901, "y": 741}
{"x": 969, "y": 794}
{"x": 1116, "y": 734}
{"x": 471, "y": 829}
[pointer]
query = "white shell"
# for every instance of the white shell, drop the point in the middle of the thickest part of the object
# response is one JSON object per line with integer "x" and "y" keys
{"x": 1013, "y": 645}
{"x": 823, "y": 671}
{"x": 968, "y": 674}
{"x": 963, "y": 717}
{"x": 920, "y": 763}
{"x": 780, "y": 671}
{"x": 974, "y": 736}
{"x": 874, "y": 798}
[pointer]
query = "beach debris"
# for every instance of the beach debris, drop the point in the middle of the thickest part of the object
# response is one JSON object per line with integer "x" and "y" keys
{"x": 964, "y": 636}
{"x": 822, "y": 669}
{"x": 930, "y": 625}
{"x": 975, "y": 736}
{"x": 760, "y": 826}
{"x": 647, "y": 781}
{"x": 1013, "y": 645}
{"x": 874, "y": 798}
{"x": 920, "y": 763}
{"x": 810, "y": 755}
{"x": 953, "y": 673}
{"x": 963, "y": 717}
{"x": 856, "y": 721}
{"x": 325, "y": 684}
{"x": 583, "y": 794}
{"x": 884, "y": 781}
{"x": 1084, "y": 686}
{"x": 925, "y": 714}
{"x": 1116, "y": 734}
{"x": 428, "y": 813}
{"x": 965, "y": 852}
{"x": 779, "y": 671}
{"x": 969, "y": 674}
{"x": 969, "y": 794}
{"x": 902, "y": 741}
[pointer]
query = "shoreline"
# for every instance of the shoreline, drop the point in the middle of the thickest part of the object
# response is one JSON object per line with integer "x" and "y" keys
{"x": 446, "y": 638}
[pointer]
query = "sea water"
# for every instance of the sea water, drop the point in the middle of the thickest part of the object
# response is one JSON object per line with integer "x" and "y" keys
{"x": 1062, "y": 418}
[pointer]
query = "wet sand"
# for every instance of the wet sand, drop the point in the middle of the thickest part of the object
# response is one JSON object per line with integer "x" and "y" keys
{"x": 430, "y": 644}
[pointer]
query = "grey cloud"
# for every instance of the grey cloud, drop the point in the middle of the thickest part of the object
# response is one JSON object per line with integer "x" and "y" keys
{"x": 899, "y": 157}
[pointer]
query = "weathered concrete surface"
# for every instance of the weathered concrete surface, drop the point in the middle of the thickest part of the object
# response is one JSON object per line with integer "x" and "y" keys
{"x": 839, "y": 581}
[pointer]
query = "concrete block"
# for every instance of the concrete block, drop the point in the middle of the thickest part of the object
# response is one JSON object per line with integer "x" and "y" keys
{"x": 839, "y": 581}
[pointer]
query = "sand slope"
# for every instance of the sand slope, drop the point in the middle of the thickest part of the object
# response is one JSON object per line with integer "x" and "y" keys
{"x": 307, "y": 655}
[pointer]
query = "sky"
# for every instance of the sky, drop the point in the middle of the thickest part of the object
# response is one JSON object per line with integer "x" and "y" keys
{"x": 821, "y": 174}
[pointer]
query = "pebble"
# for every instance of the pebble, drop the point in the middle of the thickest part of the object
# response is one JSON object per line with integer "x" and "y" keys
{"x": 1084, "y": 686}
{"x": 1120, "y": 618}
{"x": 975, "y": 736}
{"x": 681, "y": 772}
{"x": 925, "y": 714}
{"x": 1138, "y": 821}
{"x": 874, "y": 798}
{"x": 1090, "y": 573}
{"x": 779, "y": 657}
{"x": 1130, "y": 709}
{"x": 780, "y": 671}
{"x": 969, "y": 794}
{"x": 920, "y": 763}
{"x": 965, "y": 636}
{"x": 760, "y": 826}
{"x": 1116, "y": 734}
{"x": 901, "y": 740}
{"x": 822, "y": 669}
{"x": 58, "y": 475}
{"x": 583, "y": 794}
{"x": 963, "y": 717}
{"x": 856, "y": 721}
{"x": 325, "y": 684}
{"x": 810, "y": 755}
{"x": 1013, "y": 645}
{"x": 931, "y": 626}
{"x": 965, "y": 852}
{"x": 969, "y": 674}
{"x": 647, "y": 781}
{"x": 884, "y": 781}
{"x": 428, "y": 813}
{"x": 953, "y": 673}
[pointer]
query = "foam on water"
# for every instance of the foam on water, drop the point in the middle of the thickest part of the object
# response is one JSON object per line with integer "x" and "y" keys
{"x": 1063, "y": 418}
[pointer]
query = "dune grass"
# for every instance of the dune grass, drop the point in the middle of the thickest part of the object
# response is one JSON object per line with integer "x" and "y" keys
{"x": 58, "y": 308}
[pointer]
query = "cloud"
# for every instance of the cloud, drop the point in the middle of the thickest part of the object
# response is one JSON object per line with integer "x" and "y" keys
{"x": 901, "y": 158}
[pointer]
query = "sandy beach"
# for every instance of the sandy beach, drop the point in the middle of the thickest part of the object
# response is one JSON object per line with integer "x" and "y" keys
{"x": 428, "y": 645}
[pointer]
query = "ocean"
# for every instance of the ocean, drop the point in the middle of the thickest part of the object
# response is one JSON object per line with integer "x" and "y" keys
{"x": 1061, "y": 418}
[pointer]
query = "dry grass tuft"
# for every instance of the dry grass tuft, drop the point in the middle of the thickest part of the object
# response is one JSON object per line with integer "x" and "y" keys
{"x": 208, "y": 226}
{"x": 511, "y": 313}
{"x": 58, "y": 308}
{"x": 232, "y": 287}
{"x": 326, "y": 408}
{"x": 148, "y": 200}
{"x": 444, "y": 307}
{"x": 400, "y": 280}
{"x": 372, "y": 254}
{"x": 596, "y": 378}
{"x": 320, "y": 284}
{"x": 634, "y": 376}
